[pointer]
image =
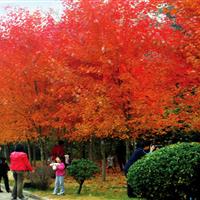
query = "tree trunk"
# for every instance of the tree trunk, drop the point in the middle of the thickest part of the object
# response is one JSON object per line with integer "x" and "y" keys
{"x": 46, "y": 154}
{"x": 34, "y": 155}
{"x": 7, "y": 152}
{"x": 29, "y": 151}
{"x": 36, "y": 87}
{"x": 127, "y": 150}
{"x": 80, "y": 187}
{"x": 134, "y": 145}
{"x": 83, "y": 150}
{"x": 41, "y": 143}
{"x": 103, "y": 155}
{"x": 4, "y": 152}
{"x": 91, "y": 149}
{"x": 42, "y": 154}
{"x": 42, "y": 159}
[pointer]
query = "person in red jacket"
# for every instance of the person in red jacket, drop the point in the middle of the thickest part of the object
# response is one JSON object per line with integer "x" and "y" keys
{"x": 58, "y": 150}
{"x": 19, "y": 164}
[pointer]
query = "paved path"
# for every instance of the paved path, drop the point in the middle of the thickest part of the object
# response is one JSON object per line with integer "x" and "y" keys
{"x": 7, "y": 196}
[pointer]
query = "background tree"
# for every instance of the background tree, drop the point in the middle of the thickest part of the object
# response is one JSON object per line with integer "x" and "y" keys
{"x": 106, "y": 69}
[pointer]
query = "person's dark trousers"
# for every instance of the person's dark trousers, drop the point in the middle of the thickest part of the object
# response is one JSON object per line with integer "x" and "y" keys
{"x": 121, "y": 163}
{"x": 130, "y": 192}
{"x": 6, "y": 182}
{"x": 121, "y": 166}
{"x": 18, "y": 185}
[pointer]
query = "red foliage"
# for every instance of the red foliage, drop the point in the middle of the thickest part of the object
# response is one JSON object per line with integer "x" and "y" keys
{"x": 106, "y": 69}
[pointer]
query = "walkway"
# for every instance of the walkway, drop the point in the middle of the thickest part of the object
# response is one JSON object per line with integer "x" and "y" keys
{"x": 7, "y": 196}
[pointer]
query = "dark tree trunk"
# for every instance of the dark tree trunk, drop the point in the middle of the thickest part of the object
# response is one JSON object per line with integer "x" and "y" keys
{"x": 29, "y": 151}
{"x": 42, "y": 158}
{"x": 34, "y": 155}
{"x": 83, "y": 150}
{"x": 134, "y": 145}
{"x": 80, "y": 187}
{"x": 127, "y": 150}
{"x": 103, "y": 155}
{"x": 4, "y": 152}
{"x": 46, "y": 153}
{"x": 41, "y": 143}
{"x": 91, "y": 149}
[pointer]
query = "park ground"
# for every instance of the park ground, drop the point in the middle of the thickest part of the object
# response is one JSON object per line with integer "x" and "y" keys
{"x": 114, "y": 188}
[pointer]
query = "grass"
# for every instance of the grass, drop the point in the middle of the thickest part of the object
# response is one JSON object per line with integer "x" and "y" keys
{"x": 114, "y": 188}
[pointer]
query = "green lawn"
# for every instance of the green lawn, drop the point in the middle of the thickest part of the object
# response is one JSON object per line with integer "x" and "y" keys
{"x": 113, "y": 189}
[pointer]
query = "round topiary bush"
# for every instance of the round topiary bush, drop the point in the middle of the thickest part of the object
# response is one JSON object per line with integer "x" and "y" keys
{"x": 82, "y": 170}
{"x": 172, "y": 172}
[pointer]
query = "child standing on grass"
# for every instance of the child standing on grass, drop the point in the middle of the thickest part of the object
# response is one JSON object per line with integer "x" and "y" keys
{"x": 59, "y": 168}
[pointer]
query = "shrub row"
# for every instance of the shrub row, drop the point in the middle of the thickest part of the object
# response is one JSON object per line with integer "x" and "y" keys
{"x": 173, "y": 172}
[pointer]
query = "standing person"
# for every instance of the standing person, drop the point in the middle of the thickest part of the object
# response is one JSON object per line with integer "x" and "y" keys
{"x": 121, "y": 154}
{"x": 19, "y": 164}
{"x": 67, "y": 160}
{"x": 110, "y": 162}
{"x": 59, "y": 168}
{"x": 4, "y": 168}
{"x": 58, "y": 150}
{"x": 140, "y": 151}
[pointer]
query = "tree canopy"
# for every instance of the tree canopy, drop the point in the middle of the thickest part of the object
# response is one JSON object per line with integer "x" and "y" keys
{"x": 105, "y": 69}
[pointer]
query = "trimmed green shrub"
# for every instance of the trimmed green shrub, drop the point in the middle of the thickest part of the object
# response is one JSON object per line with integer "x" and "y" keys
{"x": 172, "y": 172}
{"x": 82, "y": 170}
{"x": 41, "y": 178}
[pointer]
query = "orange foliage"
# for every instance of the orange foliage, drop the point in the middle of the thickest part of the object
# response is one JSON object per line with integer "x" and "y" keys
{"x": 106, "y": 69}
